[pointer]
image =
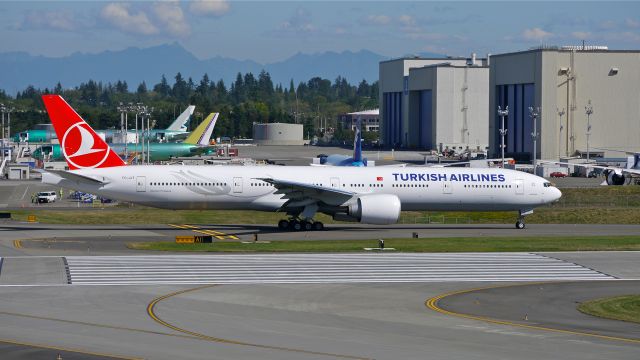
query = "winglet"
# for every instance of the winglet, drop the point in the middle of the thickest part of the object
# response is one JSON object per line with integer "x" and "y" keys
{"x": 81, "y": 146}
{"x": 180, "y": 123}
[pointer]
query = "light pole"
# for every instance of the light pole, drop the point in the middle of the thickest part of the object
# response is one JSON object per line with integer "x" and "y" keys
{"x": 503, "y": 131}
{"x": 588, "y": 110}
{"x": 534, "y": 113}
{"x": 296, "y": 93}
{"x": 2, "y": 109}
{"x": 560, "y": 113}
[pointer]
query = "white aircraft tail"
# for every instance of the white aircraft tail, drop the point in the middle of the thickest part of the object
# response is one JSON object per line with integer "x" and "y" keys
{"x": 180, "y": 123}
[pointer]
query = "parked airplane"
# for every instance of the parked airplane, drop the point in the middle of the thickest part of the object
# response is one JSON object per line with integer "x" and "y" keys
{"x": 613, "y": 175}
{"x": 374, "y": 195}
{"x": 344, "y": 160}
{"x": 175, "y": 131}
{"x": 195, "y": 144}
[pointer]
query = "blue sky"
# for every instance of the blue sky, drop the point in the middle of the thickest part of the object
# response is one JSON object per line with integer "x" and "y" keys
{"x": 268, "y": 31}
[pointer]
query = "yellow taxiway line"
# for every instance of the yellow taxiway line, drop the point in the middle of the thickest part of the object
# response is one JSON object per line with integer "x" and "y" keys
{"x": 156, "y": 318}
{"x": 217, "y": 234}
{"x": 432, "y": 304}
{"x": 17, "y": 244}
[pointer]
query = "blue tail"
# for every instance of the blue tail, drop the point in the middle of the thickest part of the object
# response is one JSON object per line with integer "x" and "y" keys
{"x": 357, "y": 143}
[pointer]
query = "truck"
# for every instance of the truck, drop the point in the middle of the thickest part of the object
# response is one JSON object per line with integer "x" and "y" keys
{"x": 46, "y": 197}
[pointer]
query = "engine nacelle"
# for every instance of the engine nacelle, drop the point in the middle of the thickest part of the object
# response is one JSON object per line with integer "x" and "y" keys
{"x": 378, "y": 209}
{"x": 614, "y": 178}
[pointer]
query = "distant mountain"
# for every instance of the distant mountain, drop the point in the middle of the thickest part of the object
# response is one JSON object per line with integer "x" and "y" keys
{"x": 133, "y": 65}
{"x": 329, "y": 65}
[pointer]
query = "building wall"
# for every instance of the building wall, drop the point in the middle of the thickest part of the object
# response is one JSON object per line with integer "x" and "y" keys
{"x": 455, "y": 93}
{"x": 278, "y": 134}
{"x": 615, "y": 99}
{"x": 392, "y": 75}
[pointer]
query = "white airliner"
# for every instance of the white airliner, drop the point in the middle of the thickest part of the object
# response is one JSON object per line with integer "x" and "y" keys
{"x": 371, "y": 195}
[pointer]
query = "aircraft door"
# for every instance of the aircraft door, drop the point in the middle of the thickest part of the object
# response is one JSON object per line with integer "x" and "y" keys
{"x": 335, "y": 182}
{"x": 447, "y": 187}
{"x": 141, "y": 184}
{"x": 519, "y": 187}
{"x": 237, "y": 184}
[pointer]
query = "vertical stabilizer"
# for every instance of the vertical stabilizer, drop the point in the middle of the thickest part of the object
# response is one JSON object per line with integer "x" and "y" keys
{"x": 357, "y": 142}
{"x": 81, "y": 146}
{"x": 180, "y": 123}
{"x": 202, "y": 134}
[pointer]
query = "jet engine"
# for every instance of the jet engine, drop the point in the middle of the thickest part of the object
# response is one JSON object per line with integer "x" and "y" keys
{"x": 378, "y": 209}
{"x": 615, "y": 177}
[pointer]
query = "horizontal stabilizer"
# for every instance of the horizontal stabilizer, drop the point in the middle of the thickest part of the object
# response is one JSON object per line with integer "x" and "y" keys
{"x": 72, "y": 176}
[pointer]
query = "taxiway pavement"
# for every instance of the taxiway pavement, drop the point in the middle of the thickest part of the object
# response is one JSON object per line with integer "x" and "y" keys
{"x": 48, "y": 239}
{"x": 300, "y": 306}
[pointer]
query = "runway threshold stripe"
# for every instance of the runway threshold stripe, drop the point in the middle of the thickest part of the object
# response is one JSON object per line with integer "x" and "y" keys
{"x": 433, "y": 304}
{"x": 355, "y": 281}
{"x": 156, "y": 318}
{"x": 323, "y": 268}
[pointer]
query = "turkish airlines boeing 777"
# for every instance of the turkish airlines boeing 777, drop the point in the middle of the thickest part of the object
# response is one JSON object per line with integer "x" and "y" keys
{"x": 370, "y": 195}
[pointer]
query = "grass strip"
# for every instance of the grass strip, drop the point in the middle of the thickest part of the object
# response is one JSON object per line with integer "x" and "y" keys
{"x": 460, "y": 244}
{"x": 625, "y": 308}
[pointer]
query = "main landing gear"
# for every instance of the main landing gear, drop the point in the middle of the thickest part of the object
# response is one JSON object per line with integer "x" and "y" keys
{"x": 300, "y": 225}
{"x": 521, "y": 214}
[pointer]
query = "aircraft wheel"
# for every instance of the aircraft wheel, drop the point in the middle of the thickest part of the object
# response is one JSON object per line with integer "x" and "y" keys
{"x": 283, "y": 224}
{"x": 318, "y": 226}
{"x": 520, "y": 224}
{"x": 307, "y": 225}
{"x": 296, "y": 225}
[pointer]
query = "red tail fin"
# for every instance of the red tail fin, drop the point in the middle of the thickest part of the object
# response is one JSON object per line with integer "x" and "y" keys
{"x": 81, "y": 146}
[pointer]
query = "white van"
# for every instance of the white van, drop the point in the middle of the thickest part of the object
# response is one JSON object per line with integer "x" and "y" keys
{"x": 47, "y": 197}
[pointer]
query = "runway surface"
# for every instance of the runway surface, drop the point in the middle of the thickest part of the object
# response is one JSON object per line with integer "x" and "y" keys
{"x": 50, "y": 239}
{"x": 297, "y": 306}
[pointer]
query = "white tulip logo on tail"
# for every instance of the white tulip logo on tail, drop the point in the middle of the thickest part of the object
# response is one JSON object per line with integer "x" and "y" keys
{"x": 78, "y": 147}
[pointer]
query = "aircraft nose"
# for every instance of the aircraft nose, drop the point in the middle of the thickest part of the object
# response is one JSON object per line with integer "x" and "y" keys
{"x": 556, "y": 194}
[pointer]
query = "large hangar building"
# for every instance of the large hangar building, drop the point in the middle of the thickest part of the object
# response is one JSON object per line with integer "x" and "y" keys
{"x": 435, "y": 104}
{"x": 564, "y": 82}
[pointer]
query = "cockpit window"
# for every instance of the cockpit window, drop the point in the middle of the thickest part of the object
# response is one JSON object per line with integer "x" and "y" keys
{"x": 547, "y": 184}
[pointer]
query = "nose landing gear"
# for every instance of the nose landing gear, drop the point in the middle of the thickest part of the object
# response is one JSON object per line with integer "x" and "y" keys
{"x": 521, "y": 214}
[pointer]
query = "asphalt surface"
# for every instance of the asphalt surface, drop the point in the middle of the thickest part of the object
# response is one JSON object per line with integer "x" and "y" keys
{"x": 42, "y": 315}
{"x": 551, "y": 305}
{"x": 49, "y": 239}
{"x": 282, "y": 321}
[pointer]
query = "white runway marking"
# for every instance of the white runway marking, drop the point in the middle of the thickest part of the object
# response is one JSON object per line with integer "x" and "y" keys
{"x": 322, "y": 268}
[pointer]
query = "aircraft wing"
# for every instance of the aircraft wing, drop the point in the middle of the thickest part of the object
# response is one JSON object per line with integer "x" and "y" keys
{"x": 302, "y": 194}
{"x": 617, "y": 170}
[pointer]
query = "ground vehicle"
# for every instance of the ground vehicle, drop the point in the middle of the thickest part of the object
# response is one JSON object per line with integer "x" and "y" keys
{"x": 46, "y": 197}
{"x": 558, "y": 174}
